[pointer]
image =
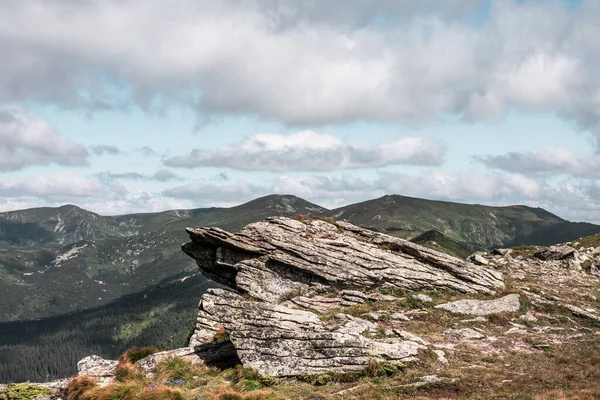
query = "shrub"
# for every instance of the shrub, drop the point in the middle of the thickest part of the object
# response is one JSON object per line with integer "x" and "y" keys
{"x": 78, "y": 386}
{"x": 135, "y": 354}
{"x": 23, "y": 391}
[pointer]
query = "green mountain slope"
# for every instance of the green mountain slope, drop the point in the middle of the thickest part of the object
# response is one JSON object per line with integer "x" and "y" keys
{"x": 48, "y": 279}
{"x": 437, "y": 241}
{"x": 161, "y": 315}
{"x": 472, "y": 225}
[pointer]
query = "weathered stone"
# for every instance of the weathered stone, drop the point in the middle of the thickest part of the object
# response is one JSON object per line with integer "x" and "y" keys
{"x": 580, "y": 312}
{"x": 464, "y": 334}
{"x": 501, "y": 252}
{"x": 478, "y": 259}
{"x": 320, "y": 304}
{"x": 423, "y": 298}
{"x": 528, "y": 318}
{"x": 280, "y": 341}
{"x": 556, "y": 253}
{"x": 509, "y": 303}
{"x": 97, "y": 367}
{"x": 271, "y": 259}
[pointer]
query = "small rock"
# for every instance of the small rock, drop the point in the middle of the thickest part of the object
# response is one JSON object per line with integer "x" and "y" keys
{"x": 476, "y": 319}
{"x": 580, "y": 312}
{"x": 556, "y": 253}
{"x": 423, "y": 298}
{"x": 372, "y": 315}
{"x": 381, "y": 297}
{"x": 478, "y": 259}
{"x": 501, "y": 252}
{"x": 464, "y": 334}
{"x": 411, "y": 336}
{"x": 97, "y": 367}
{"x": 399, "y": 317}
{"x": 441, "y": 356}
{"x": 509, "y": 303}
{"x": 514, "y": 330}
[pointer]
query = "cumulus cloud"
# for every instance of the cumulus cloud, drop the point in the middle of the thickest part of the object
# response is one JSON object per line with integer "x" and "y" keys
{"x": 308, "y": 62}
{"x": 57, "y": 186}
{"x": 547, "y": 160}
{"x": 310, "y": 151}
{"x": 26, "y": 141}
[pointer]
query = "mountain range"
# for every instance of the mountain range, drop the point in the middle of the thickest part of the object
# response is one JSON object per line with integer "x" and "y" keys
{"x": 66, "y": 259}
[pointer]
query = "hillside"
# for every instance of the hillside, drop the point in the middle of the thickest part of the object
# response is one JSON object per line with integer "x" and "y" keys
{"x": 322, "y": 309}
{"x": 472, "y": 225}
{"x": 436, "y": 240}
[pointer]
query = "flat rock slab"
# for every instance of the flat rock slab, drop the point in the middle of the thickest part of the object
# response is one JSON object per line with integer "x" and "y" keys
{"x": 275, "y": 258}
{"x": 509, "y": 303}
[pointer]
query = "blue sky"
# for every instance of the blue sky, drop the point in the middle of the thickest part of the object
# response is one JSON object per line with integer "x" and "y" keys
{"x": 132, "y": 106}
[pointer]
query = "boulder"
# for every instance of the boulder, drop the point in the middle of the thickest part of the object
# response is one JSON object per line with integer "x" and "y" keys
{"x": 280, "y": 341}
{"x": 509, "y": 303}
{"x": 97, "y": 367}
{"x": 281, "y": 270}
{"x": 563, "y": 252}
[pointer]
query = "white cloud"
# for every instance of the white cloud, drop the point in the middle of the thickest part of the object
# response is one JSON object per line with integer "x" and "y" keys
{"x": 57, "y": 186}
{"x": 310, "y": 151}
{"x": 546, "y": 160}
{"x": 102, "y": 149}
{"x": 308, "y": 62}
{"x": 25, "y": 141}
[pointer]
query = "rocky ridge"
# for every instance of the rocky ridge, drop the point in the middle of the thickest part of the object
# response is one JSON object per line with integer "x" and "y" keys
{"x": 307, "y": 297}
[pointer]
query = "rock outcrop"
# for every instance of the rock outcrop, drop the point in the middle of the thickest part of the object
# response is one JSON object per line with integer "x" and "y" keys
{"x": 281, "y": 268}
{"x": 272, "y": 259}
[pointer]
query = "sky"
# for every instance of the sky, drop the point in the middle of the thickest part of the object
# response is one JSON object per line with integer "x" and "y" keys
{"x": 122, "y": 106}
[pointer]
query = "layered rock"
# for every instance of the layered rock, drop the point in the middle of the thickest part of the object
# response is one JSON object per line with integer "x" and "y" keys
{"x": 280, "y": 341}
{"x": 280, "y": 265}
{"x": 269, "y": 260}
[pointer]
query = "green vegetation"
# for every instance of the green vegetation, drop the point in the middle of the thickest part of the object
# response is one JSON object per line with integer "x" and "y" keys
{"x": 50, "y": 348}
{"x": 438, "y": 241}
{"x": 22, "y": 391}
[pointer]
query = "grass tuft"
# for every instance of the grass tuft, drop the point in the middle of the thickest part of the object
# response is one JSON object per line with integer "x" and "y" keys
{"x": 135, "y": 354}
{"x": 78, "y": 386}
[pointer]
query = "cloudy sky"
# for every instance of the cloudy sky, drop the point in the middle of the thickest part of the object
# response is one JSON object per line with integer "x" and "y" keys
{"x": 144, "y": 105}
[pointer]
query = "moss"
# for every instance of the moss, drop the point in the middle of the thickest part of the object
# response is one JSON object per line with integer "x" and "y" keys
{"x": 23, "y": 391}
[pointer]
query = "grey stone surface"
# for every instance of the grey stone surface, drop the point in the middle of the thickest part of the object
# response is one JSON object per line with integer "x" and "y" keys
{"x": 271, "y": 259}
{"x": 509, "y": 303}
{"x": 280, "y": 341}
{"x": 97, "y": 367}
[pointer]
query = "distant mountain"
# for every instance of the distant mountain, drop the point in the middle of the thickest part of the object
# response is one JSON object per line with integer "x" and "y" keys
{"x": 472, "y": 225}
{"x": 66, "y": 259}
{"x": 71, "y": 224}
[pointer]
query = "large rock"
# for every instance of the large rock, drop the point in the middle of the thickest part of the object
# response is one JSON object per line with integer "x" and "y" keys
{"x": 509, "y": 303}
{"x": 275, "y": 258}
{"x": 280, "y": 341}
{"x": 562, "y": 252}
{"x": 279, "y": 265}
{"x": 97, "y": 367}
